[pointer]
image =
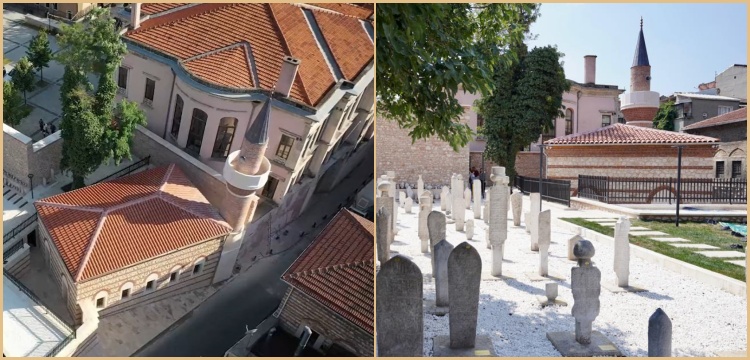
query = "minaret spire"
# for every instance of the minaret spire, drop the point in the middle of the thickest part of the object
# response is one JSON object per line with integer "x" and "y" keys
{"x": 640, "y": 105}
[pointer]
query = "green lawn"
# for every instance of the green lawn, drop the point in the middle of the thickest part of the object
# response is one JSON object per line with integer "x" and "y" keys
{"x": 695, "y": 232}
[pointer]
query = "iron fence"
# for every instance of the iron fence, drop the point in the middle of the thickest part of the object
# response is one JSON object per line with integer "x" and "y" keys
{"x": 19, "y": 228}
{"x": 553, "y": 190}
{"x": 132, "y": 167}
{"x": 12, "y": 250}
{"x": 620, "y": 190}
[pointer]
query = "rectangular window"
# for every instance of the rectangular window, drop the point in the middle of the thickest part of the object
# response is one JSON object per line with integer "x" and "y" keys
{"x": 173, "y": 276}
{"x": 480, "y": 121}
{"x": 606, "y": 120}
{"x": 719, "y": 169}
{"x": 125, "y": 293}
{"x": 150, "y": 87}
{"x": 122, "y": 78}
{"x": 285, "y": 146}
{"x": 100, "y": 303}
{"x": 270, "y": 187}
{"x": 150, "y": 285}
{"x": 724, "y": 109}
{"x": 197, "y": 268}
{"x": 70, "y": 14}
{"x": 54, "y": 6}
{"x": 736, "y": 169}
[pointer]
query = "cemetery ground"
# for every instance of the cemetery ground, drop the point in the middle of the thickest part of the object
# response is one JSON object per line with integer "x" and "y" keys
{"x": 706, "y": 321}
{"x": 699, "y": 236}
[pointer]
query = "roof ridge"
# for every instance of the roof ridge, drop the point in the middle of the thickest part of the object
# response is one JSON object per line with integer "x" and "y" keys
{"x": 210, "y": 7}
{"x": 139, "y": 200}
{"x": 325, "y": 10}
{"x": 90, "y": 248}
{"x": 165, "y": 179}
{"x": 166, "y": 197}
{"x": 68, "y": 206}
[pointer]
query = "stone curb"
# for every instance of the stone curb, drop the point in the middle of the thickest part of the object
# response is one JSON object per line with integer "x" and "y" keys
{"x": 707, "y": 277}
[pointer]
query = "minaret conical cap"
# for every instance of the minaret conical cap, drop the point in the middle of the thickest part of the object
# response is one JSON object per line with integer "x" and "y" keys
{"x": 641, "y": 55}
{"x": 258, "y": 131}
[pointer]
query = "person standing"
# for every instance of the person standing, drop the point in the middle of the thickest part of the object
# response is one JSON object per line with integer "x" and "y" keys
{"x": 482, "y": 177}
{"x": 41, "y": 125}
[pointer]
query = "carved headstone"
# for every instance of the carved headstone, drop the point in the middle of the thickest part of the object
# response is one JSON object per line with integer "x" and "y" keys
{"x": 585, "y": 284}
{"x": 444, "y": 198}
{"x": 381, "y": 222}
{"x": 486, "y": 209}
{"x": 420, "y": 187}
{"x": 477, "y": 206}
{"x": 467, "y": 198}
{"x": 399, "y": 311}
{"x": 659, "y": 334}
{"x": 423, "y": 231}
{"x": 459, "y": 212}
{"x": 401, "y": 198}
{"x": 544, "y": 242}
{"x": 498, "y": 217}
{"x": 572, "y": 243}
{"x": 469, "y": 229}
{"x": 534, "y": 216}
{"x": 441, "y": 252}
{"x": 408, "y": 203}
{"x": 386, "y": 201}
{"x": 516, "y": 201}
{"x": 464, "y": 279}
{"x": 436, "y": 232}
{"x": 622, "y": 252}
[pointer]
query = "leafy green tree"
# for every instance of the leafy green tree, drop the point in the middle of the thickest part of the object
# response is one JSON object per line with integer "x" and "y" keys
{"x": 664, "y": 118}
{"x": 426, "y": 52}
{"x": 23, "y": 77}
{"x": 39, "y": 53}
{"x": 13, "y": 107}
{"x": 94, "y": 48}
{"x": 526, "y": 100}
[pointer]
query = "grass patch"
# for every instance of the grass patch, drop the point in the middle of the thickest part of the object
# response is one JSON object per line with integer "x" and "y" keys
{"x": 695, "y": 232}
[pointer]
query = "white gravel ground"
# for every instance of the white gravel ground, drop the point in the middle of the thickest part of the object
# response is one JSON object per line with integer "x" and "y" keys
{"x": 705, "y": 320}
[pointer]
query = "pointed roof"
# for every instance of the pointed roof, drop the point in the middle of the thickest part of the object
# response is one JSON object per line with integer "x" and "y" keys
{"x": 257, "y": 133}
{"x": 619, "y": 134}
{"x": 113, "y": 225}
{"x": 641, "y": 55}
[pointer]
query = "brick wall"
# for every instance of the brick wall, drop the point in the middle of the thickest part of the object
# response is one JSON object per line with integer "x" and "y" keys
{"x": 640, "y": 161}
{"x": 46, "y": 158}
{"x": 300, "y": 310}
{"x": 434, "y": 159}
{"x": 642, "y": 113}
{"x": 725, "y": 133}
{"x": 21, "y": 157}
{"x": 59, "y": 273}
{"x": 527, "y": 164}
{"x": 15, "y": 156}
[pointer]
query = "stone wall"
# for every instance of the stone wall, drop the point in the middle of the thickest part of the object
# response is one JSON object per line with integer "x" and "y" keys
{"x": 21, "y": 157}
{"x": 18, "y": 264}
{"x": 44, "y": 159}
{"x": 527, "y": 164}
{"x": 64, "y": 280}
{"x": 432, "y": 158}
{"x": 300, "y": 310}
{"x": 636, "y": 161}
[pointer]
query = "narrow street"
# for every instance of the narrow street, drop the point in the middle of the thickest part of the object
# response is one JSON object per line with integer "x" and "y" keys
{"x": 220, "y": 322}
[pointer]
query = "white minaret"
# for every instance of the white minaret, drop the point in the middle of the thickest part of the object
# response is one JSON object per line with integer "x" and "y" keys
{"x": 245, "y": 171}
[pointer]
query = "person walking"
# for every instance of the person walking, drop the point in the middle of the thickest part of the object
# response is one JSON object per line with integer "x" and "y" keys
{"x": 52, "y": 128}
{"x": 482, "y": 180}
{"x": 41, "y": 125}
{"x": 45, "y": 130}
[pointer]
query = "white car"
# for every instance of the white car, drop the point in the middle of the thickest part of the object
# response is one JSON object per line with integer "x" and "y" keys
{"x": 8, "y": 71}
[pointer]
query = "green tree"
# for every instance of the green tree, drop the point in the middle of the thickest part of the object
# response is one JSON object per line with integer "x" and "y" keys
{"x": 94, "y": 48}
{"x": 23, "y": 77}
{"x": 39, "y": 53}
{"x": 13, "y": 107}
{"x": 664, "y": 118}
{"x": 526, "y": 100}
{"x": 426, "y": 52}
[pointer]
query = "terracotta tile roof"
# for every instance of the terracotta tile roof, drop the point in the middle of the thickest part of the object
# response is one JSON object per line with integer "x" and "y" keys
{"x": 728, "y": 118}
{"x": 629, "y": 134}
{"x": 272, "y": 32}
{"x": 113, "y": 225}
{"x": 356, "y": 10}
{"x": 232, "y": 62}
{"x": 337, "y": 269}
{"x": 155, "y": 8}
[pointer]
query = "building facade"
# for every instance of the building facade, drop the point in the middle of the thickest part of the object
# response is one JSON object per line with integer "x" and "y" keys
{"x": 732, "y": 82}
{"x": 692, "y": 108}
{"x": 730, "y": 161}
{"x": 201, "y": 90}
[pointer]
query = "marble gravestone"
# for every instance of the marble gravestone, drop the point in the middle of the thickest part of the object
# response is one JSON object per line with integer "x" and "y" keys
{"x": 659, "y": 334}
{"x": 444, "y": 198}
{"x": 469, "y": 229}
{"x": 392, "y": 193}
{"x": 498, "y": 217}
{"x": 399, "y": 308}
{"x": 423, "y": 231}
{"x": 436, "y": 232}
{"x": 441, "y": 251}
{"x": 408, "y": 203}
{"x": 544, "y": 232}
{"x": 622, "y": 259}
{"x": 381, "y": 234}
{"x": 467, "y": 198}
{"x": 477, "y": 206}
{"x": 386, "y": 201}
{"x": 516, "y": 201}
{"x": 401, "y": 198}
{"x": 486, "y": 209}
{"x": 527, "y": 219}
{"x": 585, "y": 285}
{"x": 459, "y": 212}
{"x": 464, "y": 279}
{"x": 409, "y": 192}
{"x": 533, "y": 220}
{"x": 420, "y": 187}
{"x": 572, "y": 243}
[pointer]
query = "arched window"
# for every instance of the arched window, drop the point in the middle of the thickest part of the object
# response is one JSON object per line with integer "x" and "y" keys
{"x": 177, "y": 116}
{"x": 174, "y": 275}
{"x": 198, "y": 266}
{"x": 101, "y": 299}
{"x": 197, "y": 127}
{"x": 568, "y": 121}
{"x": 126, "y": 290}
{"x": 224, "y": 137}
{"x": 151, "y": 283}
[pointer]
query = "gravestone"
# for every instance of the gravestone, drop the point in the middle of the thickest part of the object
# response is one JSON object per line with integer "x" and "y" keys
{"x": 409, "y": 192}
{"x": 659, "y": 334}
{"x": 550, "y": 296}
{"x": 427, "y": 194}
{"x": 420, "y": 187}
{"x": 459, "y": 212}
{"x": 534, "y": 217}
{"x": 464, "y": 279}
{"x": 622, "y": 252}
{"x": 441, "y": 252}
{"x": 516, "y": 201}
{"x": 381, "y": 222}
{"x": 467, "y": 198}
{"x": 423, "y": 231}
{"x": 453, "y": 194}
{"x": 386, "y": 201}
{"x": 469, "y": 229}
{"x": 399, "y": 308}
{"x": 436, "y": 232}
{"x": 585, "y": 284}
{"x": 487, "y": 237}
{"x": 401, "y": 198}
{"x": 477, "y": 206}
{"x": 572, "y": 243}
{"x": 392, "y": 193}
{"x": 408, "y": 203}
{"x": 498, "y": 217}
{"x": 444, "y": 198}
{"x": 527, "y": 218}
{"x": 486, "y": 212}
{"x": 544, "y": 242}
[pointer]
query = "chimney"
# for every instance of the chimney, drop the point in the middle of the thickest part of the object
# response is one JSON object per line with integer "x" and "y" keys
{"x": 286, "y": 77}
{"x": 590, "y": 70}
{"x": 135, "y": 15}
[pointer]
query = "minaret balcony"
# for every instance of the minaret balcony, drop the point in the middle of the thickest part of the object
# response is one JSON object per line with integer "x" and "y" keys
{"x": 245, "y": 181}
{"x": 638, "y": 99}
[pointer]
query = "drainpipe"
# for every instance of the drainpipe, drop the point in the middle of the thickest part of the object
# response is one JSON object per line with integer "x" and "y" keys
{"x": 578, "y": 100}
{"x": 171, "y": 92}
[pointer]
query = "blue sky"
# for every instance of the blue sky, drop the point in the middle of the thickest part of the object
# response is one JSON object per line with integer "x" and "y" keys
{"x": 687, "y": 43}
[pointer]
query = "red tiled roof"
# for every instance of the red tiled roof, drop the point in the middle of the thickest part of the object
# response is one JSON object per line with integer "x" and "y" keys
{"x": 723, "y": 119}
{"x": 115, "y": 224}
{"x": 356, "y": 10}
{"x": 273, "y": 31}
{"x": 232, "y": 61}
{"x": 629, "y": 134}
{"x": 337, "y": 269}
{"x": 155, "y": 8}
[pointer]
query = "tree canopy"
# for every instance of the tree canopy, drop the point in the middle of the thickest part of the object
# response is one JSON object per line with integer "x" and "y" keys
{"x": 40, "y": 53}
{"x": 526, "y": 99}
{"x": 664, "y": 119}
{"x": 427, "y": 52}
{"x": 23, "y": 77}
{"x": 13, "y": 107}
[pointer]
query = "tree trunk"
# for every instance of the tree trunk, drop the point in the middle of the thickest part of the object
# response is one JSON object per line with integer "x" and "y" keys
{"x": 77, "y": 182}
{"x": 41, "y": 73}
{"x": 24, "y": 97}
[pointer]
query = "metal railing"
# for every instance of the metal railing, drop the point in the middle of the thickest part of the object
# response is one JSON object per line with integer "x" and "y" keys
{"x": 12, "y": 250}
{"x": 132, "y": 167}
{"x": 553, "y": 190}
{"x": 620, "y": 190}
{"x": 19, "y": 228}
{"x": 33, "y": 297}
{"x": 56, "y": 350}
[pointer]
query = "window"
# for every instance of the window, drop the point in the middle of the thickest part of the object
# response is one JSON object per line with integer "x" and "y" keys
{"x": 606, "y": 120}
{"x": 270, "y": 187}
{"x": 174, "y": 275}
{"x": 285, "y": 146}
{"x": 224, "y": 137}
{"x": 150, "y": 285}
{"x": 197, "y": 127}
{"x": 198, "y": 266}
{"x": 125, "y": 290}
{"x": 122, "y": 78}
{"x": 568, "y": 122}
{"x": 150, "y": 87}
{"x": 621, "y": 120}
{"x": 54, "y": 6}
{"x": 125, "y": 293}
{"x": 151, "y": 282}
{"x": 724, "y": 109}
{"x": 70, "y": 14}
{"x": 100, "y": 302}
{"x": 177, "y": 116}
{"x": 736, "y": 169}
{"x": 480, "y": 121}
{"x": 719, "y": 169}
